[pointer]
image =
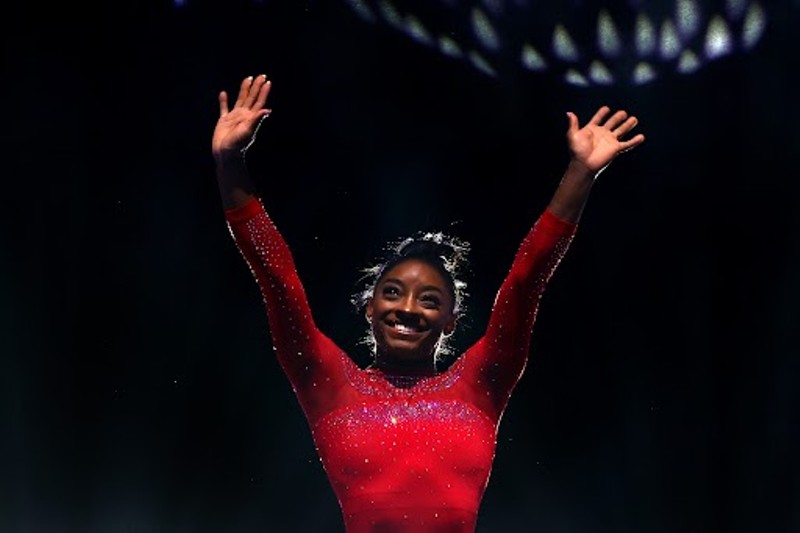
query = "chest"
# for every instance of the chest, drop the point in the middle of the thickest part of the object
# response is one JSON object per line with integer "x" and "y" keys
{"x": 406, "y": 437}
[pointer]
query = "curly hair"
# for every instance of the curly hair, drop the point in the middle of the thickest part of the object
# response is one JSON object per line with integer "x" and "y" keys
{"x": 446, "y": 253}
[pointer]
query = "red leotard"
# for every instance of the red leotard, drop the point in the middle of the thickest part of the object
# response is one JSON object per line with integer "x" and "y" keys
{"x": 402, "y": 453}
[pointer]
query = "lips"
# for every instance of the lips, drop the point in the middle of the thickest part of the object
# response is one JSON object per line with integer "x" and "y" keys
{"x": 401, "y": 329}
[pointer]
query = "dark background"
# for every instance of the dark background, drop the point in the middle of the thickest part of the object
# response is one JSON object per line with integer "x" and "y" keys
{"x": 138, "y": 391}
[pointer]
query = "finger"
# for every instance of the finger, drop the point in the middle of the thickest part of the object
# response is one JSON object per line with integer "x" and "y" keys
{"x": 626, "y": 126}
{"x": 599, "y": 115}
{"x": 223, "y": 103}
{"x": 616, "y": 119}
{"x": 244, "y": 89}
{"x": 255, "y": 90}
{"x": 572, "y": 122}
{"x": 631, "y": 143}
{"x": 263, "y": 94}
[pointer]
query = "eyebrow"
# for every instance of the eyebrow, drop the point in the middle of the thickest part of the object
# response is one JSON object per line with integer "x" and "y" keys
{"x": 424, "y": 288}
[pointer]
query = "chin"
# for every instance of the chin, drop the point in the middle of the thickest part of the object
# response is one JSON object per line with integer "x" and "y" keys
{"x": 402, "y": 353}
{"x": 408, "y": 355}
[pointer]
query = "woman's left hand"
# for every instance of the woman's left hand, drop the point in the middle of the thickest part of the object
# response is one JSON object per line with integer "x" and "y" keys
{"x": 598, "y": 142}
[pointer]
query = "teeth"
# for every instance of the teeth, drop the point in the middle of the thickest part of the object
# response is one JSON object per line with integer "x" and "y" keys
{"x": 403, "y": 328}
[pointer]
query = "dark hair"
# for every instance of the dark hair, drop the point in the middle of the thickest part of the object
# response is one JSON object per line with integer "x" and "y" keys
{"x": 446, "y": 253}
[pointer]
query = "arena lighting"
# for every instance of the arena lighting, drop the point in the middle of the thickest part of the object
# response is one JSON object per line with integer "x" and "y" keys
{"x": 583, "y": 42}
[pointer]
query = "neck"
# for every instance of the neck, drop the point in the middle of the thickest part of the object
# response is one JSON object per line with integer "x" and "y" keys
{"x": 403, "y": 368}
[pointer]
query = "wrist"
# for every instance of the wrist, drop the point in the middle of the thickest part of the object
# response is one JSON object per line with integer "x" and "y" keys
{"x": 579, "y": 171}
{"x": 228, "y": 156}
{"x": 229, "y": 160}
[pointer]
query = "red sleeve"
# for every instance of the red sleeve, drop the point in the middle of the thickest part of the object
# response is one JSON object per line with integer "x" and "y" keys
{"x": 311, "y": 361}
{"x": 498, "y": 359}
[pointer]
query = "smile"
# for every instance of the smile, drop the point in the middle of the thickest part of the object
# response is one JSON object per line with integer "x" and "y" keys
{"x": 403, "y": 329}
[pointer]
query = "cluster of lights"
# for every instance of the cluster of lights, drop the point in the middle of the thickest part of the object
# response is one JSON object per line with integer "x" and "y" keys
{"x": 635, "y": 42}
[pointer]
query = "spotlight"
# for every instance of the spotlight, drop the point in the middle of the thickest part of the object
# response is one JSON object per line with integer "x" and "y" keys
{"x": 612, "y": 42}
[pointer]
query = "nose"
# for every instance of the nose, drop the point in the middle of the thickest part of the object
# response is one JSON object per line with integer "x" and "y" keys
{"x": 408, "y": 305}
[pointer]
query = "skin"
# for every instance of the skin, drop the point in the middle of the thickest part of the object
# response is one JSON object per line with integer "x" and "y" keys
{"x": 592, "y": 147}
{"x": 411, "y": 308}
{"x": 235, "y": 130}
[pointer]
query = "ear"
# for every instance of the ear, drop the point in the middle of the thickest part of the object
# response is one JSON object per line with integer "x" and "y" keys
{"x": 450, "y": 327}
{"x": 368, "y": 311}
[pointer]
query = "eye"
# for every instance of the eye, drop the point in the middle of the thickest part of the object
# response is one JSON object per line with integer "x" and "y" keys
{"x": 431, "y": 301}
{"x": 390, "y": 291}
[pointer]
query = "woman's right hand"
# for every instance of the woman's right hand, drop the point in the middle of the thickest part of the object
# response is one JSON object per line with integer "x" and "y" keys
{"x": 237, "y": 127}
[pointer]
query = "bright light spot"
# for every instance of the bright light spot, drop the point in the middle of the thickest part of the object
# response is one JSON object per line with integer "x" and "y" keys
{"x": 670, "y": 43}
{"x": 362, "y": 10}
{"x": 390, "y": 14}
{"x": 563, "y": 45}
{"x": 643, "y": 73}
{"x": 417, "y": 31}
{"x": 688, "y": 63}
{"x": 688, "y": 16}
{"x": 755, "y": 23}
{"x": 645, "y": 35}
{"x": 608, "y": 39}
{"x": 718, "y": 38}
{"x": 449, "y": 47}
{"x": 576, "y": 78}
{"x": 531, "y": 59}
{"x": 483, "y": 29}
{"x": 481, "y": 64}
{"x": 600, "y": 74}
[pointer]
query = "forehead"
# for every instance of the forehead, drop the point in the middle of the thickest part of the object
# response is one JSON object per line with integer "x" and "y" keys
{"x": 416, "y": 270}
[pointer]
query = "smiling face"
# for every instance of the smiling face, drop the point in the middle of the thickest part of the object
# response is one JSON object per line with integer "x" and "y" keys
{"x": 410, "y": 309}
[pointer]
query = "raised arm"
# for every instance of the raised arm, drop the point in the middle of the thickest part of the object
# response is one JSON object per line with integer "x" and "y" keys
{"x": 310, "y": 360}
{"x": 592, "y": 148}
{"x": 234, "y": 133}
{"x": 500, "y": 356}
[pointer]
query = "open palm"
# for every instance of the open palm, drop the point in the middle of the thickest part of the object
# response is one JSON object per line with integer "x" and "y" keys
{"x": 597, "y": 143}
{"x": 236, "y": 128}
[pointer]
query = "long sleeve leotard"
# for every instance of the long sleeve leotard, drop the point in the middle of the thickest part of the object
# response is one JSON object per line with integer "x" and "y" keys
{"x": 402, "y": 453}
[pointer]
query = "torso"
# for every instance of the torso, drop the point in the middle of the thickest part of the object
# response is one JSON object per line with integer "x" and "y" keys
{"x": 417, "y": 453}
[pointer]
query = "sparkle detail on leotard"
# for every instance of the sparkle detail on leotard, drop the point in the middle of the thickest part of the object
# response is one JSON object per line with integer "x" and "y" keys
{"x": 374, "y": 382}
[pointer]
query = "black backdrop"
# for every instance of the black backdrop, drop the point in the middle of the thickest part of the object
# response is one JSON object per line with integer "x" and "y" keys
{"x": 138, "y": 390}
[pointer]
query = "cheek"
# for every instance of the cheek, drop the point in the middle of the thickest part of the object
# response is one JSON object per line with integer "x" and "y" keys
{"x": 438, "y": 320}
{"x": 376, "y": 331}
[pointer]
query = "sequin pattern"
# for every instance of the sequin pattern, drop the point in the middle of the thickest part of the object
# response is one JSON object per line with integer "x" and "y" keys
{"x": 432, "y": 451}
{"x": 375, "y": 383}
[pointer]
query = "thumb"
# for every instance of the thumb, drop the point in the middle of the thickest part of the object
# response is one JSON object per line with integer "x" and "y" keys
{"x": 222, "y": 97}
{"x": 572, "y": 122}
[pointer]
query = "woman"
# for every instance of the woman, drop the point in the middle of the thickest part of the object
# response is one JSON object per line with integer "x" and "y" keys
{"x": 406, "y": 447}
